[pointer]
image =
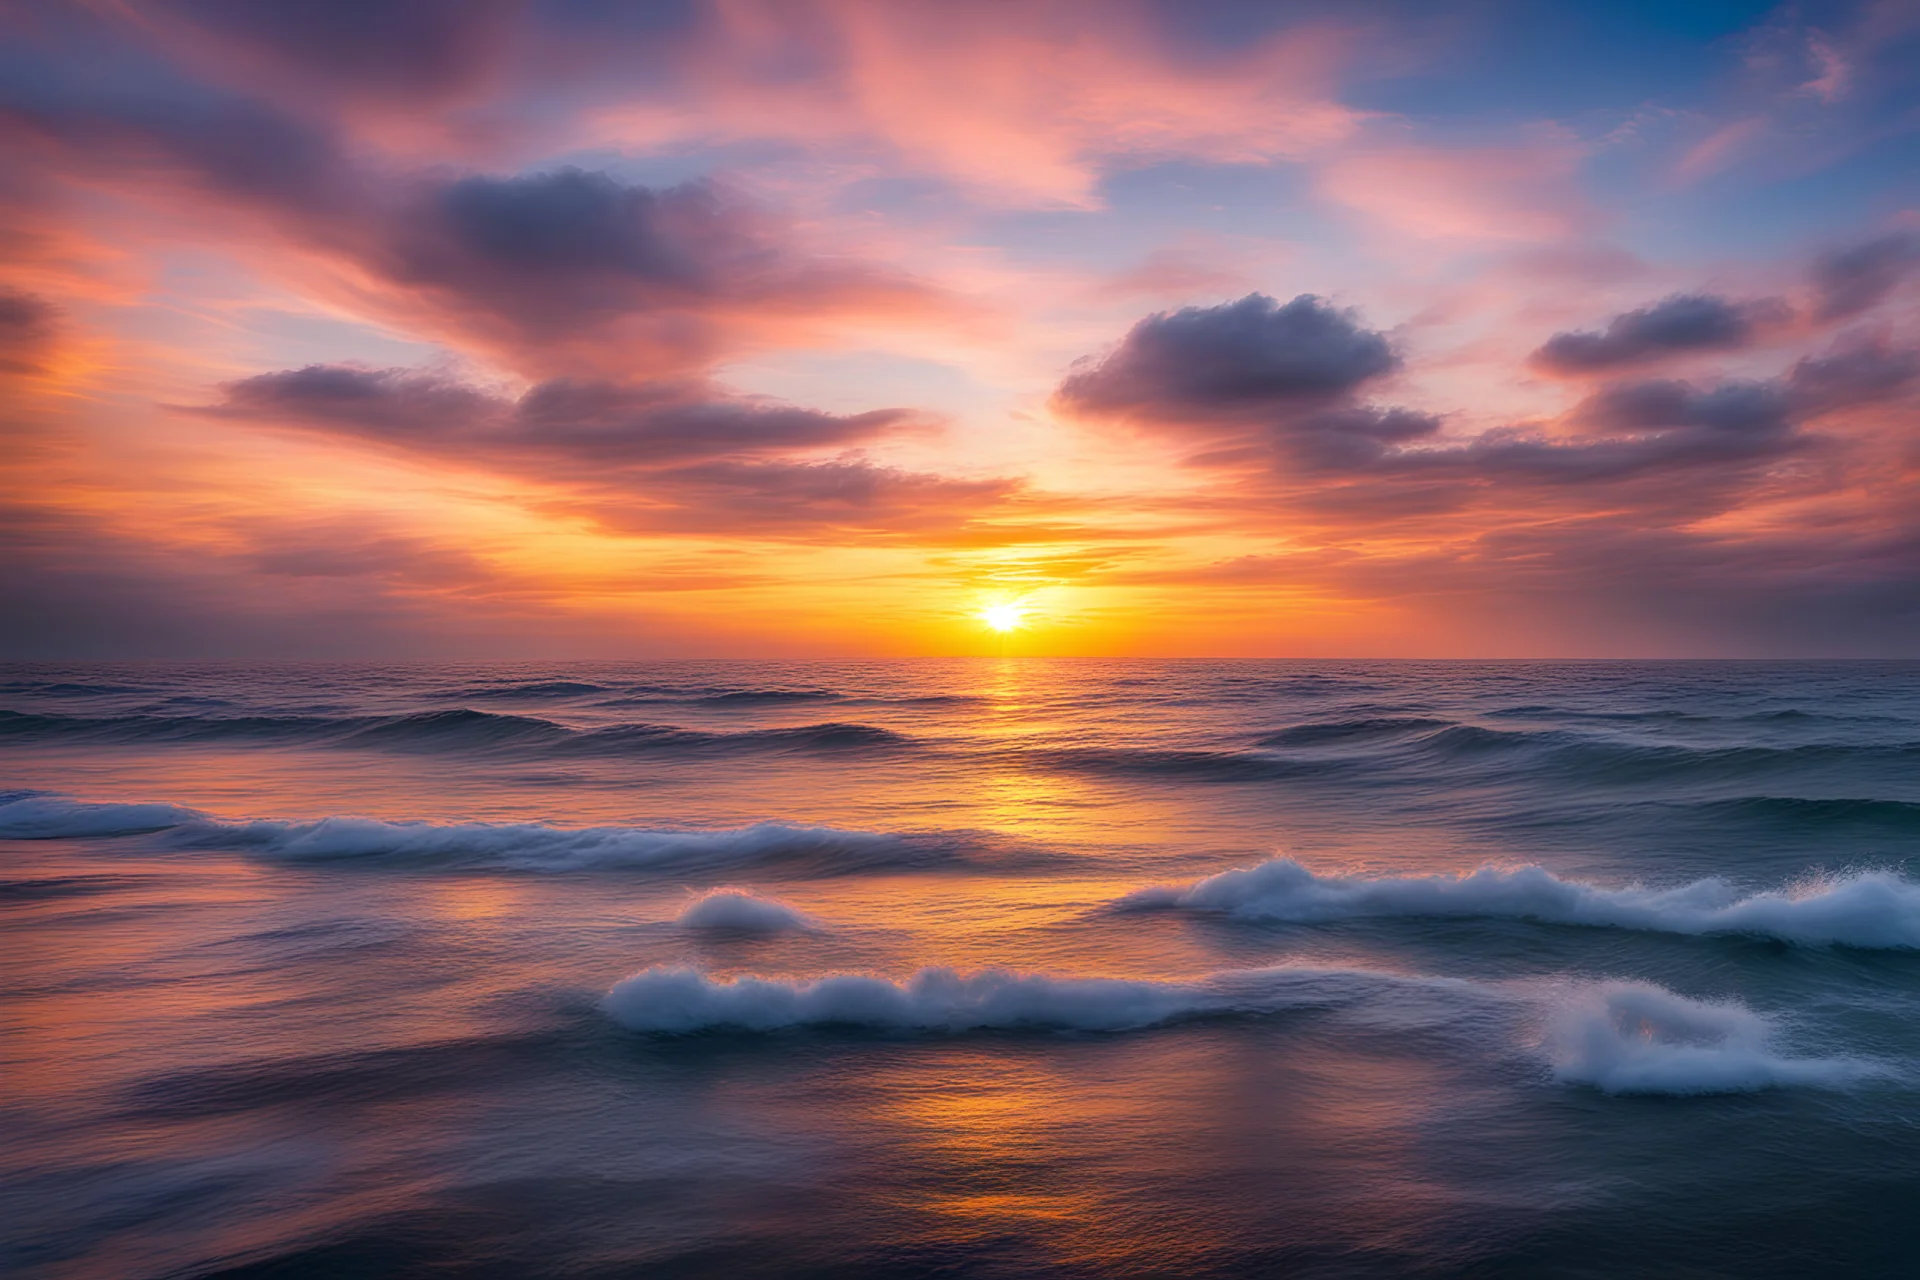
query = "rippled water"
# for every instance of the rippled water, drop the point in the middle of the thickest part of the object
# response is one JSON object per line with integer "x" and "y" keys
{"x": 970, "y": 968}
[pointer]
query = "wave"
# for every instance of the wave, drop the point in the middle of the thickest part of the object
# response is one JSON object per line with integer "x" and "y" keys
{"x": 69, "y": 689}
{"x": 1341, "y": 732}
{"x": 1633, "y": 1037}
{"x": 1193, "y": 765}
{"x": 768, "y": 697}
{"x": 678, "y": 1000}
{"x": 1885, "y": 815}
{"x": 507, "y": 846}
{"x": 1619, "y": 1037}
{"x": 1874, "y": 909}
{"x": 451, "y": 730}
{"x": 741, "y": 911}
{"x": 39, "y": 815}
{"x": 1388, "y": 747}
{"x": 535, "y": 689}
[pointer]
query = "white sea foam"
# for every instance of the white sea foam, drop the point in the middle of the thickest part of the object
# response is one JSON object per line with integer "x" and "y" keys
{"x": 1632, "y": 1037}
{"x": 1865, "y": 909}
{"x": 677, "y": 1000}
{"x": 741, "y": 911}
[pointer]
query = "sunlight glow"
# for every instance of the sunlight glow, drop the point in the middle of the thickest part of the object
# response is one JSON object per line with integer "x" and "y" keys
{"x": 1003, "y": 617}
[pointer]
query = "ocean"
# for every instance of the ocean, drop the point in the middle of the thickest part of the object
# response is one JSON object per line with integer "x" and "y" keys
{"x": 996, "y": 968}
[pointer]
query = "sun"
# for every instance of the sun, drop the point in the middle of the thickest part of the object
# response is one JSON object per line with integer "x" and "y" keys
{"x": 1003, "y": 617}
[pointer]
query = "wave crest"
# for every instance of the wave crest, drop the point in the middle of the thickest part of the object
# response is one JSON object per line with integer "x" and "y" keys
{"x": 1633, "y": 1037}
{"x": 1874, "y": 909}
{"x": 678, "y": 1000}
{"x": 740, "y": 911}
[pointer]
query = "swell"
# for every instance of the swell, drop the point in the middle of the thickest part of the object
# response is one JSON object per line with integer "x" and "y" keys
{"x": 513, "y": 846}
{"x": 1412, "y": 749}
{"x": 453, "y": 730}
{"x": 1871, "y": 909}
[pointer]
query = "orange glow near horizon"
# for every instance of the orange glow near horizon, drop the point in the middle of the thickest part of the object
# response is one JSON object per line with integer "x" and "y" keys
{"x": 1350, "y": 388}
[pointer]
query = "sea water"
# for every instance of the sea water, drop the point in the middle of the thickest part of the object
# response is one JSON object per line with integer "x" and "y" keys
{"x": 970, "y": 968}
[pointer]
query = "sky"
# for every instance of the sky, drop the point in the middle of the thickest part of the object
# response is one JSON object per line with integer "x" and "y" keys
{"x": 545, "y": 329}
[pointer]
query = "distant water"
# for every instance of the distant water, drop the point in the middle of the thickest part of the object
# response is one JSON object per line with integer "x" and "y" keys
{"x": 960, "y": 969}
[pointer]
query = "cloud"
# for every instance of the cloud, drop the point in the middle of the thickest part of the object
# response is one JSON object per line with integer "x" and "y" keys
{"x": 1682, "y": 323}
{"x": 27, "y": 331}
{"x": 558, "y": 427}
{"x": 1247, "y": 359}
{"x": 410, "y": 52}
{"x": 1852, "y": 373}
{"x": 1276, "y": 388}
{"x": 564, "y": 269}
{"x": 1427, "y": 193}
{"x": 672, "y": 275}
{"x": 1024, "y": 105}
{"x": 1856, "y": 279}
{"x": 642, "y": 457}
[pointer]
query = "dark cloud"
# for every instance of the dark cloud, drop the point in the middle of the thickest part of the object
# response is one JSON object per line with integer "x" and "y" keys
{"x": 559, "y": 252}
{"x": 405, "y": 50}
{"x": 558, "y": 428}
{"x": 1857, "y": 279}
{"x": 396, "y": 404}
{"x": 673, "y": 457}
{"x": 1665, "y": 405}
{"x": 27, "y": 331}
{"x": 1253, "y": 358}
{"x": 1853, "y": 373}
{"x": 1681, "y": 323}
{"x": 1353, "y": 437}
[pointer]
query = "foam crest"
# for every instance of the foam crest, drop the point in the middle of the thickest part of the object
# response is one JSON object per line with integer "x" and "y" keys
{"x": 741, "y": 911}
{"x": 38, "y": 816}
{"x": 677, "y": 1000}
{"x": 1619, "y": 1037}
{"x": 1630, "y": 1037}
{"x": 1865, "y": 909}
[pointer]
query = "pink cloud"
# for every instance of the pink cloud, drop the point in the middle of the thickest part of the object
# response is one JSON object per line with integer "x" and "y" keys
{"x": 1511, "y": 193}
{"x": 1017, "y": 103}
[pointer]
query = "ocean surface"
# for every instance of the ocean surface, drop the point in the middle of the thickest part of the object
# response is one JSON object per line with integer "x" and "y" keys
{"x": 973, "y": 968}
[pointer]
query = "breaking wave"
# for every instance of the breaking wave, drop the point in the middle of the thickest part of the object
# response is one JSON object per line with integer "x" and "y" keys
{"x": 677, "y": 1000}
{"x": 1865, "y": 909}
{"x": 508, "y": 846}
{"x": 1633, "y": 1037}
{"x": 1619, "y": 1037}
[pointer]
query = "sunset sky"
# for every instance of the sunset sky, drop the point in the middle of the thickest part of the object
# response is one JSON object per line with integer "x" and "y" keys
{"x": 481, "y": 329}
